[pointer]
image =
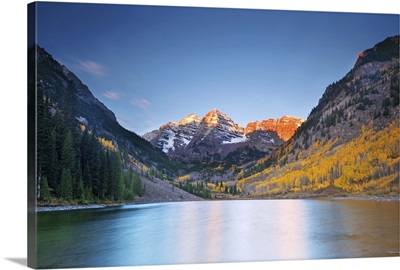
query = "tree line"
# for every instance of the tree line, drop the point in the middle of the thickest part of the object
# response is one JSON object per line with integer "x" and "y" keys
{"x": 368, "y": 163}
{"x": 73, "y": 163}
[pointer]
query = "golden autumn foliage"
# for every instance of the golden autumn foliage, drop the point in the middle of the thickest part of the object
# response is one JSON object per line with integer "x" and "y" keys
{"x": 212, "y": 186}
{"x": 370, "y": 162}
{"x": 107, "y": 144}
{"x": 184, "y": 177}
{"x": 216, "y": 188}
{"x": 135, "y": 163}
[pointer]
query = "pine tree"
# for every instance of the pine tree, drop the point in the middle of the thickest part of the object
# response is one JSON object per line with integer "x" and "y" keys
{"x": 69, "y": 109}
{"x": 77, "y": 189}
{"x": 137, "y": 184}
{"x": 45, "y": 194}
{"x": 43, "y": 131}
{"x": 68, "y": 152}
{"x": 95, "y": 164}
{"x": 234, "y": 190}
{"x": 80, "y": 190}
{"x": 120, "y": 190}
{"x": 68, "y": 161}
{"x": 66, "y": 184}
{"x": 54, "y": 157}
{"x": 115, "y": 167}
{"x": 57, "y": 144}
{"x": 104, "y": 176}
{"x": 86, "y": 177}
{"x": 88, "y": 194}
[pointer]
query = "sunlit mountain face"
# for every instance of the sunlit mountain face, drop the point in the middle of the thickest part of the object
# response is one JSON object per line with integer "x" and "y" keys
{"x": 216, "y": 136}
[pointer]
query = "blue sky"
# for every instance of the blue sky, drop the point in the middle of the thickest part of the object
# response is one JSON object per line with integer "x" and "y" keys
{"x": 151, "y": 65}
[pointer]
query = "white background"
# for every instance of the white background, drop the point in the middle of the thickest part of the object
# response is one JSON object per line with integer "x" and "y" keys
{"x": 13, "y": 129}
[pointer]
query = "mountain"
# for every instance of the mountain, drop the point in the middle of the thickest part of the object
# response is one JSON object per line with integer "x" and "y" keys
{"x": 349, "y": 142}
{"x": 174, "y": 136}
{"x": 285, "y": 127}
{"x": 217, "y": 137}
{"x": 62, "y": 86}
{"x": 83, "y": 154}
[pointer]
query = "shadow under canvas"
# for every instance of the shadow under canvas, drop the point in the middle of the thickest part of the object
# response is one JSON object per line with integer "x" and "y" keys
{"x": 20, "y": 261}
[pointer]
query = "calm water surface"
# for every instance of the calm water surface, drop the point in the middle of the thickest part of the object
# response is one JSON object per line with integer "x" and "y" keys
{"x": 217, "y": 231}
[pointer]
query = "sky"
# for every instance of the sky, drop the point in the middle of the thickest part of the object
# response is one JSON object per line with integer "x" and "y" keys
{"x": 153, "y": 64}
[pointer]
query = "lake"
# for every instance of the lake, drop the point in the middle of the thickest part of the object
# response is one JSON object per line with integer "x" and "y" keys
{"x": 218, "y": 231}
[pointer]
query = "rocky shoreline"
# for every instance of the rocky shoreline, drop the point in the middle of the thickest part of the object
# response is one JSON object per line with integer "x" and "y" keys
{"x": 67, "y": 207}
{"x": 373, "y": 198}
{"x": 40, "y": 208}
{"x": 144, "y": 201}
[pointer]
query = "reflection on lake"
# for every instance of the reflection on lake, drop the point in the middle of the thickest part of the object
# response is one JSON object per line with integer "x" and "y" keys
{"x": 217, "y": 231}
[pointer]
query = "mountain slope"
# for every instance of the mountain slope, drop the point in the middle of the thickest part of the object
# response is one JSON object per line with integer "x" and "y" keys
{"x": 83, "y": 154}
{"x": 62, "y": 86}
{"x": 350, "y": 139}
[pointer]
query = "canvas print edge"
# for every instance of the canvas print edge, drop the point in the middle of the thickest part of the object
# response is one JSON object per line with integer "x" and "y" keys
{"x": 31, "y": 167}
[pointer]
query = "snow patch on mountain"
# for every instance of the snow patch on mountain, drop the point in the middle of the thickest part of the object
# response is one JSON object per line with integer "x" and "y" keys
{"x": 236, "y": 140}
{"x": 185, "y": 141}
{"x": 168, "y": 142}
{"x": 215, "y": 135}
{"x": 82, "y": 120}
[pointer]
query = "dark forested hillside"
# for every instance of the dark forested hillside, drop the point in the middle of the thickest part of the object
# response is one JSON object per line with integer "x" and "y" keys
{"x": 75, "y": 163}
{"x": 83, "y": 154}
{"x": 67, "y": 93}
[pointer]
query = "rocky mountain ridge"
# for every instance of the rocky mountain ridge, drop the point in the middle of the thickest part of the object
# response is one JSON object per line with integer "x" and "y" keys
{"x": 285, "y": 127}
{"x": 216, "y": 136}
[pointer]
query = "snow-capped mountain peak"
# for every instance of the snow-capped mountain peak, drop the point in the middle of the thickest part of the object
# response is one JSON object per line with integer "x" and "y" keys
{"x": 169, "y": 124}
{"x": 216, "y": 135}
{"x": 217, "y": 118}
{"x": 212, "y": 118}
{"x": 191, "y": 118}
